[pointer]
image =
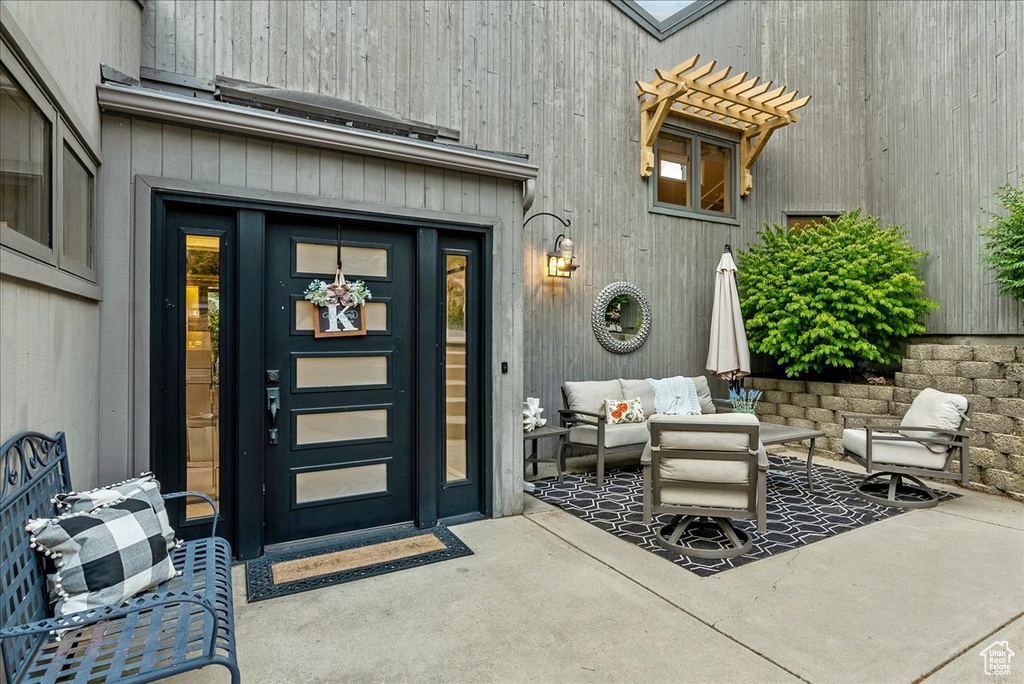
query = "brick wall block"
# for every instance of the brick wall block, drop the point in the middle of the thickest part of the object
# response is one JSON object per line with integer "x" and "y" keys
{"x": 792, "y": 386}
{"x": 978, "y": 438}
{"x": 820, "y": 415}
{"x": 1020, "y": 354}
{"x": 1008, "y": 444}
{"x": 1015, "y": 463}
{"x": 776, "y": 397}
{"x": 834, "y": 444}
{"x": 1019, "y": 427}
{"x": 791, "y": 411}
{"x": 996, "y": 388}
{"x": 779, "y": 420}
{"x": 994, "y": 352}
{"x": 767, "y": 408}
{"x": 980, "y": 403}
{"x": 806, "y": 400}
{"x": 764, "y": 383}
{"x": 897, "y": 408}
{"x": 1008, "y": 407}
{"x": 912, "y": 365}
{"x": 946, "y": 383}
{"x": 801, "y": 423}
{"x": 939, "y": 367}
{"x": 835, "y": 403}
{"x": 986, "y": 458}
{"x": 869, "y": 406}
{"x": 978, "y": 369}
{"x": 821, "y": 388}
{"x": 1014, "y": 371}
{"x": 919, "y": 351}
{"x": 853, "y": 391}
{"x": 952, "y": 352}
{"x": 1003, "y": 479}
{"x": 991, "y": 422}
{"x": 913, "y": 381}
{"x": 832, "y": 429}
{"x": 904, "y": 395}
{"x": 883, "y": 392}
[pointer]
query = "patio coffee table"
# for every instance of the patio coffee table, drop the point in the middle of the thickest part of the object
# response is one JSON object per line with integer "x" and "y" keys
{"x": 772, "y": 433}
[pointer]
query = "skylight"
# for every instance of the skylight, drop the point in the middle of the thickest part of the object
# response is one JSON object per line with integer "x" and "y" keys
{"x": 662, "y": 18}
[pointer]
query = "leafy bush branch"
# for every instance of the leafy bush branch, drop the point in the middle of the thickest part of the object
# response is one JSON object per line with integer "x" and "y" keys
{"x": 1004, "y": 242}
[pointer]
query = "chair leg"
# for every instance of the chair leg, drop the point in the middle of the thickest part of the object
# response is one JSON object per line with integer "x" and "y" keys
{"x": 895, "y": 487}
{"x": 600, "y": 465}
{"x": 648, "y": 518}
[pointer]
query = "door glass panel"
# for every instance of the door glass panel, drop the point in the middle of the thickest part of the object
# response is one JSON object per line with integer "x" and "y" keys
{"x": 340, "y": 371}
{"x": 376, "y": 316}
{"x": 336, "y": 483}
{"x": 715, "y": 178}
{"x": 357, "y": 261}
{"x": 340, "y": 426}
{"x": 202, "y": 369}
{"x": 455, "y": 368}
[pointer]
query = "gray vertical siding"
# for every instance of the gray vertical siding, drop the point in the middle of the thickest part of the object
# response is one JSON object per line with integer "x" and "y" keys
{"x": 554, "y": 79}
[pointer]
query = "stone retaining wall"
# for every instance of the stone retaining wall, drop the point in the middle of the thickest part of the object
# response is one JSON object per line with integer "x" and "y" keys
{"x": 990, "y": 376}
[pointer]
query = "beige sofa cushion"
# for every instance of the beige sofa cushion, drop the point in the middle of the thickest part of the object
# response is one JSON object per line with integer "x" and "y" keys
{"x": 907, "y": 454}
{"x": 622, "y": 434}
{"x": 707, "y": 441}
{"x": 590, "y": 396}
{"x": 639, "y": 388}
{"x": 935, "y": 409}
{"x": 707, "y": 405}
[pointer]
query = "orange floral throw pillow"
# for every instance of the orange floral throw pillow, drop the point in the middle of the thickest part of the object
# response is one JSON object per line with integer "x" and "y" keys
{"x": 623, "y": 411}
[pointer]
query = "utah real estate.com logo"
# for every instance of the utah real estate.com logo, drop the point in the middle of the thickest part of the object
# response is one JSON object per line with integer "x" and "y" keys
{"x": 997, "y": 658}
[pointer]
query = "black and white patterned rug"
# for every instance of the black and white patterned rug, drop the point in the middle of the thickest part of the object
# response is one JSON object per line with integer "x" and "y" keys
{"x": 796, "y": 517}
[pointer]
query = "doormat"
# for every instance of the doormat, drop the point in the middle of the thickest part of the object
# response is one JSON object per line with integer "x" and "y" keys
{"x": 282, "y": 574}
{"x": 795, "y": 516}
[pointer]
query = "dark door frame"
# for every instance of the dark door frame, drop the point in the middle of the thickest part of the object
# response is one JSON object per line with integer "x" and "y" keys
{"x": 250, "y": 230}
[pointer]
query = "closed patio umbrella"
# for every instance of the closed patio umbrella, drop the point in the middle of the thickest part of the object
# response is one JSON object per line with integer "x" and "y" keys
{"x": 728, "y": 354}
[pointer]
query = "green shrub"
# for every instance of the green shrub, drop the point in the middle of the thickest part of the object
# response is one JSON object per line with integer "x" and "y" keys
{"x": 836, "y": 295}
{"x": 1004, "y": 242}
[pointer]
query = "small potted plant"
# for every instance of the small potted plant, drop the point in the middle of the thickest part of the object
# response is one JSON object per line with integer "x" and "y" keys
{"x": 744, "y": 400}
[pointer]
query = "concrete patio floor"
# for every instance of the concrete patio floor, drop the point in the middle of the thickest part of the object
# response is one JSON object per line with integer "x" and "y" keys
{"x": 550, "y": 598}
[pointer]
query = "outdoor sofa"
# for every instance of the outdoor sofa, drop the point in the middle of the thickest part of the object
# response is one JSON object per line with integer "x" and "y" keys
{"x": 590, "y": 432}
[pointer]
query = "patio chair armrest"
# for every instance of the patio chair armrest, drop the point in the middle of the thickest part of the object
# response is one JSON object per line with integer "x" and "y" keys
{"x": 722, "y": 405}
{"x": 567, "y": 417}
{"x": 920, "y": 428}
{"x": 94, "y": 615}
{"x": 213, "y": 505}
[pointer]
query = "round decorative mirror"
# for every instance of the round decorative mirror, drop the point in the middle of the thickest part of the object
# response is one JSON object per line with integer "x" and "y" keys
{"x": 621, "y": 318}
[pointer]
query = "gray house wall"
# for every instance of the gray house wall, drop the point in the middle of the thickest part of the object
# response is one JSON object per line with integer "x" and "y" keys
{"x": 50, "y": 337}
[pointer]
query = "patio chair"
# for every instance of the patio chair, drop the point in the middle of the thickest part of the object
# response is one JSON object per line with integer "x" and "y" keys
{"x": 922, "y": 443}
{"x": 708, "y": 466}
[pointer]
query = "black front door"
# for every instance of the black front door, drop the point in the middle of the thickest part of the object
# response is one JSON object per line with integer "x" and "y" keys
{"x": 343, "y": 455}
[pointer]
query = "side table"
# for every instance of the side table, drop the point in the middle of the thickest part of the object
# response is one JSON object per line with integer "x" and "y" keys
{"x": 530, "y": 456}
{"x": 772, "y": 433}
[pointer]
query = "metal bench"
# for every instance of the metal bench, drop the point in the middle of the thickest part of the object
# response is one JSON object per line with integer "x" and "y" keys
{"x": 185, "y": 624}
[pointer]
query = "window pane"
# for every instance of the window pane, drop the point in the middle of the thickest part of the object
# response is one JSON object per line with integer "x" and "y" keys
{"x": 455, "y": 368}
{"x": 24, "y": 163}
{"x": 77, "y": 238}
{"x": 715, "y": 178}
{"x": 202, "y": 368}
{"x": 673, "y": 166}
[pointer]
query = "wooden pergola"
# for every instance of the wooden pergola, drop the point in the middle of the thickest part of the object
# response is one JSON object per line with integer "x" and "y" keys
{"x": 753, "y": 108}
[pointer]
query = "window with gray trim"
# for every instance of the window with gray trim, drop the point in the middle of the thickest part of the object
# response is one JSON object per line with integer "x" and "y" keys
{"x": 695, "y": 175}
{"x": 47, "y": 177}
{"x": 662, "y": 18}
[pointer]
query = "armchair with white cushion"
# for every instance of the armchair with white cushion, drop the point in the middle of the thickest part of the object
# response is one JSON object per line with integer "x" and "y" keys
{"x": 708, "y": 466}
{"x": 922, "y": 443}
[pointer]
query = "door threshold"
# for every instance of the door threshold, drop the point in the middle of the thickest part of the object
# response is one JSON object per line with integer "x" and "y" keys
{"x": 328, "y": 539}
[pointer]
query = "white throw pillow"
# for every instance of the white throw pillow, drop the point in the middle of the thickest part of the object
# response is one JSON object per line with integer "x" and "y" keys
{"x": 934, "y": 409}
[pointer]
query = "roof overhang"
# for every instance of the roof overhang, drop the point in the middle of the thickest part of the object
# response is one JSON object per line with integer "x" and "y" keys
{"x": 748, "y": 106}
{"x": 168, "y": 107}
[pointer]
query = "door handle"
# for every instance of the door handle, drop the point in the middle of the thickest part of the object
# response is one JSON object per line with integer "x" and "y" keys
{"x": 273, "y": 404}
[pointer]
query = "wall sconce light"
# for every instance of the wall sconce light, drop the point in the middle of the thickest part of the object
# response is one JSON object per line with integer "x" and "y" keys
{"x": 561, "y": 262}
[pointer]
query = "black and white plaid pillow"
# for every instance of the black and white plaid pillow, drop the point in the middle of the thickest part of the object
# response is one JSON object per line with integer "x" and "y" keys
{"x": 104, "y": 556}
{"x": 145, "y": 486}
